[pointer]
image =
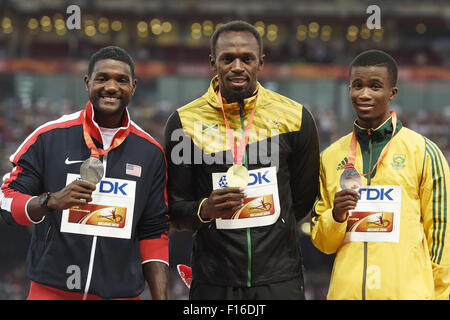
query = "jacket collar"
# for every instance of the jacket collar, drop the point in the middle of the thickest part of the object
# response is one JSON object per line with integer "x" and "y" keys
{"x": 212, "y": 99}
{"x": 94, "y": 129}
{"x": 383, "y": 132}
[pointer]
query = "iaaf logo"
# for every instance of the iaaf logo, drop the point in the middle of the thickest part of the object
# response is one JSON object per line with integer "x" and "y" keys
{"x": 376, "y": 194}
{"x": 255, "y": 178}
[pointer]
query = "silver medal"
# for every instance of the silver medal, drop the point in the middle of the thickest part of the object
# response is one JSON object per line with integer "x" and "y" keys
{"x": 92, "y": 170}
{"x": 350, "y": 179}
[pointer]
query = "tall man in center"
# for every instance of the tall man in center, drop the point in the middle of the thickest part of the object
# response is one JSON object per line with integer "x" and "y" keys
{"x": 243, "y": 165}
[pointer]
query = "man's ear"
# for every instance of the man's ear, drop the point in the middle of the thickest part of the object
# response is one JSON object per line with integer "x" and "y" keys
{"x": 212, "y": 63}
{"x": 261, "y": 62}
{"x": 86, "y": 82}
{"x": 394, "y": 92}
{"x": 133, "y": 86}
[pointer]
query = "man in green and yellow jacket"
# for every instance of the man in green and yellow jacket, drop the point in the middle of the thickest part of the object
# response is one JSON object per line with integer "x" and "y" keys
{"x": 390, "y": 234}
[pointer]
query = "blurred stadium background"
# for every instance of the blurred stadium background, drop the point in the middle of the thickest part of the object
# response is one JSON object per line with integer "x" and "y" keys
{"x": 308, "y": 46}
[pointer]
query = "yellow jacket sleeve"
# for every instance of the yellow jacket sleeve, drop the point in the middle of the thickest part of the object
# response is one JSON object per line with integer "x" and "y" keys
{"x": 326, "y": 233}
{"x": 434, "y": 196}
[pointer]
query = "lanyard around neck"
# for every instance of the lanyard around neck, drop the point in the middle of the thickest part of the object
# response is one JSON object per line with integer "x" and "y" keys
{"x": 97, "y": 152}
{"x": 353, "y": 143}
{"x": 237, "y": 151}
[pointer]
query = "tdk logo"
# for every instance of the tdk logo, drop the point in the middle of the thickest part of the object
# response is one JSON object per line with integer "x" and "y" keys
{"x": 375, "y": 194}
{"x": 258, "y": 178}
{"x": 112, "y": 187}
{"x": 254, "y": 179}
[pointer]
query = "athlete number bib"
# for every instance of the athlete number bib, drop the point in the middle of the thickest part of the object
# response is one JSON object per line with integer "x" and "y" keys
{"x": 262, "y": 204}
{"x": 376, "y": 216}
{"x": 109, "y": 214}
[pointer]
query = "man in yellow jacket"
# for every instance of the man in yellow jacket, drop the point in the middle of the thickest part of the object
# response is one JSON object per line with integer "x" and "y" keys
{"x": 384, "y": 201}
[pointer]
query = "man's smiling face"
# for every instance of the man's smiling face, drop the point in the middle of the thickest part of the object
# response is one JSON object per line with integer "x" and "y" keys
{"x": 237, "y": 61}
{"x": 371, "y": 91}
{"x": 110, "y": 87}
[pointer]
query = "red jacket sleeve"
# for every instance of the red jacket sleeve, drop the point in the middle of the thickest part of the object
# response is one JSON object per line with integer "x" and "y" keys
{"x": 23, "y": 182}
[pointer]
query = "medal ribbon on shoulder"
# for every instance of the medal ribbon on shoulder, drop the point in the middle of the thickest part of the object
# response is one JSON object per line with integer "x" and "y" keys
{"x": 237, "y": 151}
{"x": 353, "y": 143}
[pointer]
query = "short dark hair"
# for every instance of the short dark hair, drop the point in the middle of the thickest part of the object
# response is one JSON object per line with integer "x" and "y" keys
{"x": 376, "y": 58}
{"x": 111, "y": 52}
{"x": 237, "y": 26}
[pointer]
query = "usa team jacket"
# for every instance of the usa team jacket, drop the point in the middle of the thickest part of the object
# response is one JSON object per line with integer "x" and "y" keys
{"x": 196, "y": 147}
{"x": 416, "y": 267}
{"x": 109, "y": 267}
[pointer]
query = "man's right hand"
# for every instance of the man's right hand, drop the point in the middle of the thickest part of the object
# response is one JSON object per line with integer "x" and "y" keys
{"x": 344, "y": 201}
{"x": 79, "y": 192}
{"x": 221, "y": 202}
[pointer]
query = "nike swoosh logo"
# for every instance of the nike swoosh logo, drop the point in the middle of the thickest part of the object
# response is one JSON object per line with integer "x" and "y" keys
{"x": 72, "y": 162}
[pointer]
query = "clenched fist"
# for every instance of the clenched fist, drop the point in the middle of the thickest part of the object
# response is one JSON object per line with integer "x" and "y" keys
{"x": 78, "y": 192}
{"x": 221, "y": 202}
{"x": 344, "y": 201}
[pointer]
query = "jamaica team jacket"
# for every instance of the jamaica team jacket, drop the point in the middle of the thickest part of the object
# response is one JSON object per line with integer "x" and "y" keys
{"x": 409, "y": 191}
{"x": 283, "y": 145}
{"x": 110, "y": 267}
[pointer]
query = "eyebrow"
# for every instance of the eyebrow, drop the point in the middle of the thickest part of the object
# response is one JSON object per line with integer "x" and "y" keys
{"x": 109, "y": 74}
{"x": 370, "y": 80}
{"x": 242, "y": 53}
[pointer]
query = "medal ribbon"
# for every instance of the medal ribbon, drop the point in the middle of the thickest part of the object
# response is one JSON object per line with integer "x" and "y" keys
{"x": 237, "y": 151}
{"x": 97, "y": 152}
{"x": 353, "y": 143}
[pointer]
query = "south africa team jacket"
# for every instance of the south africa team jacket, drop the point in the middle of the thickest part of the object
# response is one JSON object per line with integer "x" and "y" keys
{"x": 109, "y": 267}
{"x": 418, "y": 265}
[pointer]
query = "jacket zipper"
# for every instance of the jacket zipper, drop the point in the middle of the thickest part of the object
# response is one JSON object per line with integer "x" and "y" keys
{"x": 93, "y": 247}
{"x": 369, "y": 132}
{"x": 47, "y": 236}
{"x": 249, "y": 235}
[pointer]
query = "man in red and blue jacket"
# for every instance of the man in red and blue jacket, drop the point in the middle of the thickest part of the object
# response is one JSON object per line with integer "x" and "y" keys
{"x": 85, "y": 264}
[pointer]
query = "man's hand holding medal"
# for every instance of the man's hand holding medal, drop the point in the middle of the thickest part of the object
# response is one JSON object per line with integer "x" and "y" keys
{"x": 79, "y": 192}
{"x": 347, "y": 198}
{"x": 221, "y": 202}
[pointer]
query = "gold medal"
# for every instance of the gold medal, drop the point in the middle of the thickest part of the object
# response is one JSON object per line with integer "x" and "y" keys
{"x": 237, "y": 176}
{"x": 350, "y": 179}
{"x": 92, "y": 170}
